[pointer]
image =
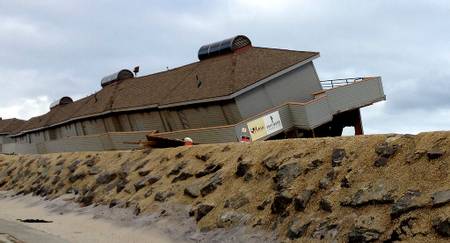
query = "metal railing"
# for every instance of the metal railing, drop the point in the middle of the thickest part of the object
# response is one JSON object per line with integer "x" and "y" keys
{"x": 331, "y": 83}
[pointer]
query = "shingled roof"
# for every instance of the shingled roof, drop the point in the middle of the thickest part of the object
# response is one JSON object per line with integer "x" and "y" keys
{"x": 7, "y": 126}
{"x": 220, "y": 77}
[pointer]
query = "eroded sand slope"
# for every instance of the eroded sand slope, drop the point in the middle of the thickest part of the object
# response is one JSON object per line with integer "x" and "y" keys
{"x": 357, "y": 189}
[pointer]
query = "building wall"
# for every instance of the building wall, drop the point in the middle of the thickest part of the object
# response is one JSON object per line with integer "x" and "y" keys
{"x": 188, "y": 117}
{"x": 296, "y": 86}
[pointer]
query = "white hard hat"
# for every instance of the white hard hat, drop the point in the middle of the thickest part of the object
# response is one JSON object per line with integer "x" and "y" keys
{"x": 187, "y": 139}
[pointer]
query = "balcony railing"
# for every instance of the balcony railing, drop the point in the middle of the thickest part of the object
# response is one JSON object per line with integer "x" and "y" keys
{"x": 331, "y": 83}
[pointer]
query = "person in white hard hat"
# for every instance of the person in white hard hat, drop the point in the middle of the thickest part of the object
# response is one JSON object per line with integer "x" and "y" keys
{"x": 188, "y": 141}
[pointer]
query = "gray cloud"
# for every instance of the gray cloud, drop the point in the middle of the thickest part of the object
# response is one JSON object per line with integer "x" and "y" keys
{"x": 53, "y": 48}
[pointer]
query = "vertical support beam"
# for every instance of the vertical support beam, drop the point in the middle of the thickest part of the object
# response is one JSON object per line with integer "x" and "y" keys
{"x": 358, "y": 123}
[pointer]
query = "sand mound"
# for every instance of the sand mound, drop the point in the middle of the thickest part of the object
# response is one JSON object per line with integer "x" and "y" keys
{"x": 355, "y": 189}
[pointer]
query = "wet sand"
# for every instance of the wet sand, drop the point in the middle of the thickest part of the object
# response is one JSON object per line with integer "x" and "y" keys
{"x": 66, "y": 227}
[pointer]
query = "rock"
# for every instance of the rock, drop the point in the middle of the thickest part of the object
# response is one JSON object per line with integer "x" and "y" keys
{"x": 326, "y": 231}
{"x": 211, "y": 184}
{"x": 434, "y": 154}
{"x": 94, "y": 171}
{"x": 202, "y": 157}
{"x": 211, "y": 168}
{"x": 202, "y": 210}
{"x": 148, "y": 180}
{"x": 374, "y": 194}
{"x": 263, "y": 205}
{"x": 313, "y": 165}
{"x": 60, "y": 162}
{"x": 121, "y": 185}
{"x": 328, "y": 179}
{"x": 176, "y": 170}
{"x": 337, "y": 157}
{"x": 386, "y": 150}
{"x": 362, "y": 235}
{"x": 281, "y": 202}
{"x": 148, "y": 193}
{"x": 403, "y": 231}
{"x": 86, "y": 199}
{"x": 143, "y": 172}
{"x": 380, "y": 161}
{"x": 270, "y": 163}
{"x": 182, "y": 177}
{"x": 179, "y": 155}
{"x": 345, "y": 182}
{"x": 408, "y": 202}
{"x": 440, "y": 198}
{"x": 90, "y": 162}
{"x": 242, "y": 168}
{"x": 75, "y": 177}
{"x": 286, "y": 173}
{"x": 236, "y": 201}
{"x": 297, "y": 229}
{"x": 72, "y": 167}
{"x": 442, "y": 226}
{"x": 113, "y": 203}
{"x": 301, "y": 201}
{"x": 325, "y": 205}
{"x": 105, "y": 178}
{"x": 230, "y": 218}
{"x": 55, "y": 180}
{"x": 192, "y": 191}
{"x": 163, "y": 196}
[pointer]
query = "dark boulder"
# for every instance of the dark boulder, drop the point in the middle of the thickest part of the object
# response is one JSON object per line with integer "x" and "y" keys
{"x": 209, "y": 169}
{"x": 301, "y": 201}
{"x": 286, "y": 173}
{"x": 386, "y": 150}
{"x": 440, "y": 198}
{"x": 313, "y": 165}
{"x": 270, "y": 163}
{"x": 148, "y": 180}
{"x": 202, "y": 157}
{"x": 202, "y": 210}
{"x": 297, "y": 229}
{"x": 263, "y": 204}
{"x": 363, "y": 235}
{"x": 106, "y": 177}
{"x": 211, "y": 184}
{"x": 442, "y": 226}
{"x": 77, "y": 176}
{"x": 182, "y": 177}
{"x": 337, "y": 157}
{"x": 325, "y": 182}
{"x": 280, "y": 202}
{"x": 163, "y": 196}
{"x": 72, "y": 167}
{"x": 242, "y": 168}
{"x": 408, "y": 202}
{"x": 374, "y": 194}
{"x": 176, "y": 170}
{"x": 380, "y": 162}
{"x": 121, "y": 185}
{"x": 143, "y": 172}
{"x": 434, "y": 154}
{"x": 325, "y": 205}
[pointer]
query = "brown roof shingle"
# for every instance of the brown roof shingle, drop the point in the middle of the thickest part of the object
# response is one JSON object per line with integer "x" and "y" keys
{"x": 7, "y": 126}
{"x": 220, "y": 76}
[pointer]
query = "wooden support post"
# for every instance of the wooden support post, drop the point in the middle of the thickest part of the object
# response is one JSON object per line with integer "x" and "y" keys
{"x": 358, "y": 123}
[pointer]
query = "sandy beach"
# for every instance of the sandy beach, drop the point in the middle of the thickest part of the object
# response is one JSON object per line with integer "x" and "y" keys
{"x": 66, "y": 227}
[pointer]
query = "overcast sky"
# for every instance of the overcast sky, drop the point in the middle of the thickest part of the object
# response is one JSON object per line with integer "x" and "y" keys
{"x": 53, "y": 48}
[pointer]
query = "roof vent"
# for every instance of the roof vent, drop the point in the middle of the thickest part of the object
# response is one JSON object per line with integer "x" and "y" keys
{"x": 62, "y": 101}
{"x": 223, "y": 47}
{"x": 121, "y": 75}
